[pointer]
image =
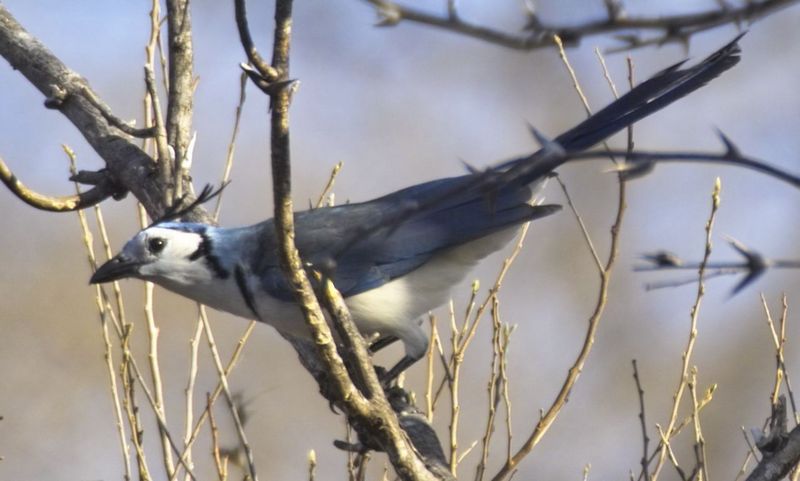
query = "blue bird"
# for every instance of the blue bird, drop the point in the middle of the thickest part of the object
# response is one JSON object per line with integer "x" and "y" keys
{"x": 393, "y": 258}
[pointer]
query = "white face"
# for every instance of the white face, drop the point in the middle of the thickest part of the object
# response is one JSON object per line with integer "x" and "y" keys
{"x": 166, "y": 253}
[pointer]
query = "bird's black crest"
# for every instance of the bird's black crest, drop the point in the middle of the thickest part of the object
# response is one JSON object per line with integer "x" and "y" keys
{"x": 178, "y": 209}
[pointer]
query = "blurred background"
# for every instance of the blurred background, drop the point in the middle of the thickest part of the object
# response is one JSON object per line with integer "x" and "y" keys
{"x": 400, "y": 106}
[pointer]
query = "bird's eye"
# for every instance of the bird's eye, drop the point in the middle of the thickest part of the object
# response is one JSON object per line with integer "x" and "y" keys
{"x": 156, "y": 245}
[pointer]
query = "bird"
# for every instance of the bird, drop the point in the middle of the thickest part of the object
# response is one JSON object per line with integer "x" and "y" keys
{"x": 394, "y": 258}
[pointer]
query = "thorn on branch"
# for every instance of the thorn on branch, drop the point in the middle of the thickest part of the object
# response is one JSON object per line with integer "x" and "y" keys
{"x": 731, "y": 150}
{"x": 388, "y": 16}
{"x": 755, "y": 264}
{"x": 264, "y": 69}
{"x": 615, "y": 9}
{"x": 269, "y": 87}
{"x": 663, "y": 259}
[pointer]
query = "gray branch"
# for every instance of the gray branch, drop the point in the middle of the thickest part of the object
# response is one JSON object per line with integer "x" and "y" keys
{"x": 66, "y": 91}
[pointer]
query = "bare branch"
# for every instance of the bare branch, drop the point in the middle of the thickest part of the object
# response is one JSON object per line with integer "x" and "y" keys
{"x": 675, "y": 28}
{"x": 267, "y": 71}
{"x": 777, "y": 463}
{"x": 368, "y": 409}
{"x": 65, "y": 203}
{"x": 687, "y": 353}
{"x": 65, "y": 90}
{"x": 645, "y": 438}
{"x": 548, "y": 417}
{"x": 181, "y": 88}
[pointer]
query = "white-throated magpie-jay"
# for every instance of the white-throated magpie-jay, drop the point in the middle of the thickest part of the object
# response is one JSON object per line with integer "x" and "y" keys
{"x": 423, "y": 239}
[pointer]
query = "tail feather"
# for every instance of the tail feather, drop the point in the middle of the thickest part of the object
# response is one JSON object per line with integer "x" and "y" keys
{"x": 648, "y": 97}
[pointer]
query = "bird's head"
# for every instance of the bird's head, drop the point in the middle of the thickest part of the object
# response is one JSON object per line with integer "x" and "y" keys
{"x": 168, "y": 251}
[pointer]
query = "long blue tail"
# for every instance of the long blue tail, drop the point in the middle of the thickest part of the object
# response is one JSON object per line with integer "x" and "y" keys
{"x": 651, "y": 95}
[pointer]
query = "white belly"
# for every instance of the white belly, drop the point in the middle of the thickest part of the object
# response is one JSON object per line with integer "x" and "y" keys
{"x": 392, "y": 309}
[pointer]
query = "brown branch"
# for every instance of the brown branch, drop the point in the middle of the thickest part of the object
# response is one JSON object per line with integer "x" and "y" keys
{"x": 686, "y": 356}
{"x": 181, "y": 89}
{"x": 266, "y": 70}
{"x": 65, "y": 90}
{"x": 674, "y": 28}
{"x": 67, "y": 203}
{"x": 153, "y": 115}
{"x": 367, "y": 408}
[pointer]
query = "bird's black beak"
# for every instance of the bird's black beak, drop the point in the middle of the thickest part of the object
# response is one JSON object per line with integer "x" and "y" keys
{"x": 116, "y": 268}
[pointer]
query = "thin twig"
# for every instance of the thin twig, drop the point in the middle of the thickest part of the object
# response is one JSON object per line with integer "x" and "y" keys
{"x": 152, "y": 357}
{"x": 548, "y": 417}
{"x": 457, "y": 360}
{"x": 507, "y": 331}
{"x": 493, "y": 388}
{"x": 212, "y": 345}
{"x": 226, "y": 174}
{"x": 194, "y": 347}
{"x": 671, "y": 454}
{"x": 699, "y": 440}
{"x": 642, "y": 422}
{"x": 220, "y": 463}
{"x": 329, "y": 185}
{"x": 687, "y": 354}
{"x": 430, "y": 356}
{"x": 584, "y": 231}
{"x": 312, "y": 465}
{"x": 108, "y": 350}
{"x": 218, "y": 389}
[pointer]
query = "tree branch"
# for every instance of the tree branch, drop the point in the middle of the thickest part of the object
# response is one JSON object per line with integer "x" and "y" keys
{"x": 366, "y": 405}
{"x": 783, "y": 452}
{"x": 65, "y": 203}
{"x": 181, "y": 89}
{"x": 65, "y": 90}
{"x": 675, "y": 28}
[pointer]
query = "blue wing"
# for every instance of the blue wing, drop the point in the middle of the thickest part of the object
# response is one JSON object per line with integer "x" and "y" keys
{"x": 325, "y": 238}
{"x": 363, "y": 246}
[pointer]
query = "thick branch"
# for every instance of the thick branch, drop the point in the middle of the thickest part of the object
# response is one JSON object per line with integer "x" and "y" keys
{"x": 181, "y": 88}
{"x": 65, "y": 90}
{"x": 777, "y": 465}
